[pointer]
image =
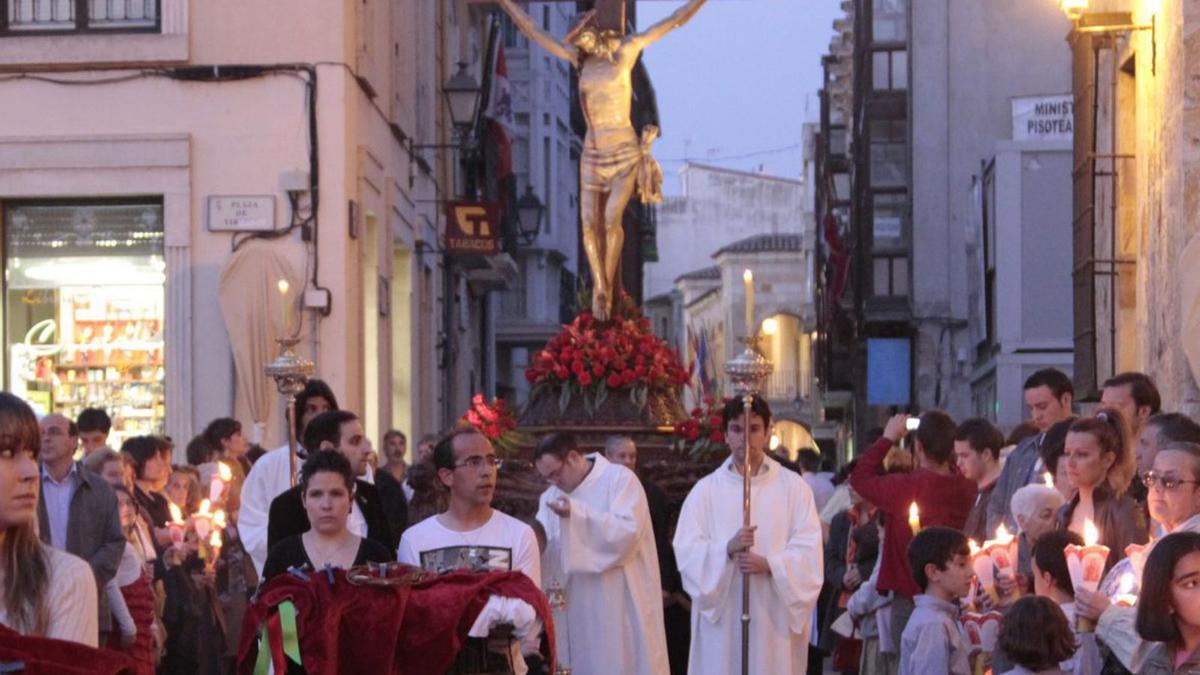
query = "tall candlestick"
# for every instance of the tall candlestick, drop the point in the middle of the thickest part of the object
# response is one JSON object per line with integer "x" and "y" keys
{"x": 287, "y": 310}
{"x": 748, "y": 280}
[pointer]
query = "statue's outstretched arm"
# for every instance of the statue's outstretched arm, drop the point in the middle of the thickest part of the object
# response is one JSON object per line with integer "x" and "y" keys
{"x": 529, "y": 27}
{"x": 677, "y": 19}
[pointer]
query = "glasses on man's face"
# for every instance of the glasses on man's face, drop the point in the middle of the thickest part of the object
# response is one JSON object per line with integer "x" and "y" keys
{"x": 476, "y": 462}
{"x": 1167, "y": 482}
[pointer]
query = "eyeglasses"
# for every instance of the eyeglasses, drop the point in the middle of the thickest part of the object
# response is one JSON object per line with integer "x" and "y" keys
{"x": 1168, "y": 482}
{"x": 479, "y": 461}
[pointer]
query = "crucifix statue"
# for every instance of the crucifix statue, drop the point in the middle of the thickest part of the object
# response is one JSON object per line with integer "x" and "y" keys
{"x": 616, "y": 160}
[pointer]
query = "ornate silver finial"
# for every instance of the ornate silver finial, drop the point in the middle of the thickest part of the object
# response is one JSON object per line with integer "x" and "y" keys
{"x": 747, "y": 370}
{"x": 289, "y": 370}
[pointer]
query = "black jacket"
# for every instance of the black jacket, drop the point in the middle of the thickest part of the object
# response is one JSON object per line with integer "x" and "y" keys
{"x": 395, "y": 503}
{"x": 288, "y": 517}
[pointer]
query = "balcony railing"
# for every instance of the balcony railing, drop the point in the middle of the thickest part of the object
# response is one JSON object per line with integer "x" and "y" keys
{"x": 42, "y": 16}
{"x": 788, "y": 384}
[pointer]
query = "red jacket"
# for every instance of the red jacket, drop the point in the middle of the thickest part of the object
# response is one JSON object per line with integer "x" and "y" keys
{"x": 941, "y": 500}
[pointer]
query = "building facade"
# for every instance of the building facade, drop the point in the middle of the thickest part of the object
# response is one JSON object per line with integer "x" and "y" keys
{"x": 150, "y": 149}
{"x": 908, "y": 133}
{"x": 1135, "y": 70}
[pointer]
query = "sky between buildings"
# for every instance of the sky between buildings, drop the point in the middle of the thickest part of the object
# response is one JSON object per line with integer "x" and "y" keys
{"x": 735, "y": 84}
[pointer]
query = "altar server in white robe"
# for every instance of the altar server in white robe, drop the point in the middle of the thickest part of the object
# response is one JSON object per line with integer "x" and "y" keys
{"x": 272, "y": 474}
{"x": 600, "y": 548}
{"x": 781, "y": 552}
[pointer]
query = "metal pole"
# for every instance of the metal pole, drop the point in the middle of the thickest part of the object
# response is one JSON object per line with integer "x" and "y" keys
{"x": 290, "y": 415}
{"x": 747, "y": 401}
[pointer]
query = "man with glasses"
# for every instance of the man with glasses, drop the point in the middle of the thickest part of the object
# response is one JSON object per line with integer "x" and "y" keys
{"x": 342, "y": 431}
{"x": 600, "y": 548}
{"x": 470, "y": 534}
{"x": 1174, "y": 500}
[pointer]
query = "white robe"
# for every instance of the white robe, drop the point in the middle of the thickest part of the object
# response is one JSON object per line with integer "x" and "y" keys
{"x": 268, "y": 478}
{"x": 781, "y": 604}
{"x": 603, "y": 556}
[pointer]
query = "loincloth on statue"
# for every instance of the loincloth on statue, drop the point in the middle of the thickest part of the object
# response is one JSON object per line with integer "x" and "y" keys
{"x": 601, "y": 168}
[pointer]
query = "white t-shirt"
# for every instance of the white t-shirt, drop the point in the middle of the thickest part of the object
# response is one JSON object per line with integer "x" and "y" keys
{"x": 502, "y": 544}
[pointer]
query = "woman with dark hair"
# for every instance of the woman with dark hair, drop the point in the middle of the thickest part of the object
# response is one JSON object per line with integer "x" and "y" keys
{"x": 150, "y": 476}
{"x": 1168, "y": 610}
{"x": 43, "y": 591}
{"x": 1053, "y": 450}
{"x": 327, "y": 491}
{"x": 1099, "y": 465}
{"x": 1036, "y": 636}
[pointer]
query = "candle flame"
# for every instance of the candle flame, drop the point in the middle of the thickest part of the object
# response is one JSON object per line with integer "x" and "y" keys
{"x": 1091, "y": 536}
{"x": 914, "y": 514}
{"x": 747, "y": 276}
{"x": 1003, "y": 537}
{"x": 1048, "y": 479}
{"x": 215, "y": 540}
{"x": 219, "y": 519}
{"x": 176, "y": 514}
{"x": 974, "y": 547}
{"x": 283, "y": 286}
{"x": 205, "y": 505}
{"x": 1125, "y": 586}
{"x": 224, "y": 471}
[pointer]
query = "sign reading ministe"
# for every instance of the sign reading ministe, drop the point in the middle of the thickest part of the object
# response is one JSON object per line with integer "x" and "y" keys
{"x": 1043, "y": 118}
{"x": 241, "y": 213}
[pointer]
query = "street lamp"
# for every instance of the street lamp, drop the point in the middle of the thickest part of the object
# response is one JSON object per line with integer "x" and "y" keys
{"x": 529, "y": 215}
{"x": 462, "y": 94}
{"x": 1074, "y": 9}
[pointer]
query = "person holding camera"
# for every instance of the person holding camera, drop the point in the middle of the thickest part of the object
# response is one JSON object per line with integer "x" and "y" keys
{"x": 941, "y": 494}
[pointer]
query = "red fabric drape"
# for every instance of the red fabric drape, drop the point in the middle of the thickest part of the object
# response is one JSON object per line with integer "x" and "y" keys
{"x": 139, "y": 597}
{"x": 404, "y": 629}
{"x": 45, "y": 656}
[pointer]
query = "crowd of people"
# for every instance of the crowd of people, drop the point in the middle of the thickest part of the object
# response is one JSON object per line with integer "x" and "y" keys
{"x": 889, "y": 566}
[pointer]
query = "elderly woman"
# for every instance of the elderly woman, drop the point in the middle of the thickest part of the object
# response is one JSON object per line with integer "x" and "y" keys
{"x": 43, "y": 591}
{"x": 327, "y": 491}
{"x": 1100, "y": 464}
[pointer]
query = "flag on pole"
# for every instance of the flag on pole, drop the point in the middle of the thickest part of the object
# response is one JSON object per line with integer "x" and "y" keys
{"x": 499, "y": 110}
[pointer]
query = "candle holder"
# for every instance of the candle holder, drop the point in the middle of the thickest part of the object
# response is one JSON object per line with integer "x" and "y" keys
{"x": 290, "y": 372}
{"x": 746, "y": 371}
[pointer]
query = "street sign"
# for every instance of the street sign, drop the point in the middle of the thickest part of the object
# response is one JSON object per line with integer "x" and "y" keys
{"x": 241, "y": 213}
{"x": 472, "y": 228}
{"x": 1043, "y": 118}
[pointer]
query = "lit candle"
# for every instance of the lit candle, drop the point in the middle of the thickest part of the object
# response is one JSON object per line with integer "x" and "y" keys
{"x": 202, "y": 520}
{"x": 748, "y": 280}
{"x": 1000, "y": 551}
{"x": 219, "y": 520}
{"x": 981, "y": 564}
{"x": 176, "y": 525}
{"x": 914, "y": 518}
{"x": 1137, "y": 557}
{"x": 1086, "y": 565}
{"x": 219, "y": 480}
{"x": 1125, "y": 596}
{"x": 1048, "y": 479}
{"x": 215, "y": 541}
{"x": 287, "y": 310}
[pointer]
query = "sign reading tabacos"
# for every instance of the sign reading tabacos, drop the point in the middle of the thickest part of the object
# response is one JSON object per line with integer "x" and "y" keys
{"x": 472, "y": 228}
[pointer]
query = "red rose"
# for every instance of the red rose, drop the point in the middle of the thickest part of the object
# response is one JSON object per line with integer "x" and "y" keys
{"x": 628, "y": 377}
{"x": 473, "y": 418}
{"x": 562, "y": 373}
{"x": 577, "y": 368}
{"x": 695, "y": 412}
{"x": 639, "y": 372}
{"x": 585, "y": 379}
{"x": 708, "y": 400}
{"x": 714, "y": 421}
{"x": 531, "y": 375}
{"x": 598, "y": 370}
{"x": 717, "y": 436}
{"x": 614, "y": 381}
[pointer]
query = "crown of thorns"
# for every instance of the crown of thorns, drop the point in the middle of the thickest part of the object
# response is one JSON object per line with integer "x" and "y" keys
{"x": 586, "y": 23}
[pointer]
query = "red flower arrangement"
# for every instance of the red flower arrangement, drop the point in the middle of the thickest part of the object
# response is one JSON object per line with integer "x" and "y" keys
{"x": 495, "y": 421}
{"x": 700, "y": 435}
{"x": 593, "y": 358}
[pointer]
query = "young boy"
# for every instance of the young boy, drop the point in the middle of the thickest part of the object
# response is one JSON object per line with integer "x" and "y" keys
{"x": 1052, "y": 579}
{"x": 932, "y": 641}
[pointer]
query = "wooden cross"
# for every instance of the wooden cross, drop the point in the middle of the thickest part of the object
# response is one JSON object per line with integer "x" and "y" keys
{"x": 610, "y": 15}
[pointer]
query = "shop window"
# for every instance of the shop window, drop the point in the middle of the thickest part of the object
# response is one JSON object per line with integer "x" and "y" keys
{"x": 84, "y": 310}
